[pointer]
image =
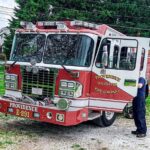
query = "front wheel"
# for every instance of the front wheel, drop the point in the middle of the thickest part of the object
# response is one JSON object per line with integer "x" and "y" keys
{"x": 106, "y": 119}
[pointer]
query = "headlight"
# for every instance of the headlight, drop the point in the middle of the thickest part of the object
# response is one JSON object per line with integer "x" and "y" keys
{"x": 7, "y": 85}
{"x": 71, "y": 84}
{"x": 12, "y": 85}
{"x": 67, "y": 84}
{"x": 64, "y": 93}
{"x": 70, "y": 93}
{"x": 11, "y": 81}
{"x": 8, "y": 77}
{"x": 63, "y": 84}
{"x": 13, "y": 78}
{"x": 70, "y": 89}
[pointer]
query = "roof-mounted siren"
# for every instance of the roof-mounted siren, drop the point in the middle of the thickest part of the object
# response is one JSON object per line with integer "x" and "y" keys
{"x": 60, "y": 25}
{"x": 84, "y": 24}
{"x": 28, "y": 25}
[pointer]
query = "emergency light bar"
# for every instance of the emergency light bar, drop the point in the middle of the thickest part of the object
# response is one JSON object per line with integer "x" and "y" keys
{"x": 84, "y": 24}
{"x": 28, "y": 25}
{"x": 59, "y": 24}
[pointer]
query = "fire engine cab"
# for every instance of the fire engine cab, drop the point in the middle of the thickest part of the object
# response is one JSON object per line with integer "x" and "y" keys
{"x": 69, "y": 72}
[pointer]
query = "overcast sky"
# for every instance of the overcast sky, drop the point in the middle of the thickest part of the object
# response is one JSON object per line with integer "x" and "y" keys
{"x": 3, "y": 15}
{"x": 8, "y": 3}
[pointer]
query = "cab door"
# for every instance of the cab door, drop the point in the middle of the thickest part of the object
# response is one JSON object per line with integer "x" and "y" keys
{"x": 116, "y": 70}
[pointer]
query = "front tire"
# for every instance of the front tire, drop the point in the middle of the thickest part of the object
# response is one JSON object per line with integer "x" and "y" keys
{"x": 106, "y": 119}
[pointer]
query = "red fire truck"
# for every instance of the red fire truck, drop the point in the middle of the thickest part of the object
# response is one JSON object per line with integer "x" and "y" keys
{"x": 69, "y": 72}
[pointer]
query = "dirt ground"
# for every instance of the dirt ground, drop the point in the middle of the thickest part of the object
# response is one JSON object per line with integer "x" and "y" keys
{"x": 31, "y": 135}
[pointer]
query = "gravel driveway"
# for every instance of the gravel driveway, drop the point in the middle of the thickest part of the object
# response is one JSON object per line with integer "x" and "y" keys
{"x": 31, "y": 135}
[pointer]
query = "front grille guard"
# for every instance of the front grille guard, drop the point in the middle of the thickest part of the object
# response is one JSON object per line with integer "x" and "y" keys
{"x": 45, "y": 79}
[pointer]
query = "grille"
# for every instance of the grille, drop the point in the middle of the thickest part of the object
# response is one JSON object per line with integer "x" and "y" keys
{"x": 44, "y": 79}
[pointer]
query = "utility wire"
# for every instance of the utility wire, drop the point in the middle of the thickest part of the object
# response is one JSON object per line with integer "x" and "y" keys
{"x": 99, "y": 12}
{"x": 117, "y": 3}
{"x": 119, "y": 26}
{"x": 129, "y": 27}
{"x": 123, "y": 4}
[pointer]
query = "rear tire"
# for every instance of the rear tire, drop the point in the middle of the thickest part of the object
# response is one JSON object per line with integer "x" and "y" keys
{"x": 128, "y": 111}
{"x": 106, "y": 119}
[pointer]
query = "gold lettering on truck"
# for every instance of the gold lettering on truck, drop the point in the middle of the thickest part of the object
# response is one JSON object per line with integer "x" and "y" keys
{"x": 108, "y": 76}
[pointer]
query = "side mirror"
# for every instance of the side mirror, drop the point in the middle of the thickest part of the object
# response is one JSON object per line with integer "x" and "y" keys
{"x": 105, "y": 56}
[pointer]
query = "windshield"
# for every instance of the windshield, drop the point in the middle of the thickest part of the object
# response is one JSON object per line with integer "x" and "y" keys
{"x": 59, "y": 49}
{"x": 68, "y": 49}
{"x": 27, "y": 47}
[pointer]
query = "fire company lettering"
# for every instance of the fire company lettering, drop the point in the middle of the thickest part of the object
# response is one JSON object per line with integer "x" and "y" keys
{"x": 25, "y": 107}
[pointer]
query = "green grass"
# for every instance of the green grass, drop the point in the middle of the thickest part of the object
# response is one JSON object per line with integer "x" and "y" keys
{"x": 77, "y": 147}
{"x": 148, "y": 107}
{"x": 6, "y": 138}
{"x": 11, "y": 134}
{"x": 6, "y": 117}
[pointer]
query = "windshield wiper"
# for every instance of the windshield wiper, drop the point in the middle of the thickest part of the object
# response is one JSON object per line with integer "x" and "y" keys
{"x": 13, "y": 63}
{"x": 73, "y": 74}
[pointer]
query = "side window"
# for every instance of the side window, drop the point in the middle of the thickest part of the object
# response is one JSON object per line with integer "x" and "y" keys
{"x": 117, "y": 54}
{"x": 102, "y": 59}
{"x": 127, "y": 58}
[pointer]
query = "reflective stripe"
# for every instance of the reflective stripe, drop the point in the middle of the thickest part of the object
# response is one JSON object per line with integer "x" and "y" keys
{"x": 103, "y": 103}
{"x": 107, "y": 104}
{"x": 78, "y": 103}
{"x": 75, "y": 103}
{"x": 110, "y": 100}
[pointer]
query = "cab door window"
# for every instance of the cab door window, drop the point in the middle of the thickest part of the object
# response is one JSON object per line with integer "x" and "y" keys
{"x": 117, "y": 54}
{"x": 102, "y": 59}
{"x": 127, "y": 58}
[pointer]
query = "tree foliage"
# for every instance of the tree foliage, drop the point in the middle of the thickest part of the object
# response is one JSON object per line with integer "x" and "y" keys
{"x": 130, "y": 17}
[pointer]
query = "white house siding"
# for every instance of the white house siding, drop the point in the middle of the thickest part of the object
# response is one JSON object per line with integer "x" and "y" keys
{"x": 6, "y": 12}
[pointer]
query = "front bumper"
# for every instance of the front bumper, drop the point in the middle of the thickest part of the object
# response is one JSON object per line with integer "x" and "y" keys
{"x": 51, "y": 114}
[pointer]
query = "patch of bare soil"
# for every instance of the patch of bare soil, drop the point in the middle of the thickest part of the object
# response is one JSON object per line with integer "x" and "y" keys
{"x": 32, "y": 135}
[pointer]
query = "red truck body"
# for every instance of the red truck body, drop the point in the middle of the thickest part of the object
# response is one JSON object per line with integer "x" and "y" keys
{"x": 40, "y": 85}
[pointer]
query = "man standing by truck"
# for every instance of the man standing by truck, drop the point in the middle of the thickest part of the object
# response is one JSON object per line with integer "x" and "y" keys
{"x": 139, "y": 110}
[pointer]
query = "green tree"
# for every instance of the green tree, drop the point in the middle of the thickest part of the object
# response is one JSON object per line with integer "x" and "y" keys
{"x": 130, "y": 17}
{"x": 29, "y": 10}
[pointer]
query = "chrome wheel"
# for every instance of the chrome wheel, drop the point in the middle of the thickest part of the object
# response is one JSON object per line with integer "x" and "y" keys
{"x": 109, "y": 115}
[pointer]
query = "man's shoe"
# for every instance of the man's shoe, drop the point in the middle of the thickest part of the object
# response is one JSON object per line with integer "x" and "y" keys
{"x": 141, "y": 135}
{"x": 134, "y": 132}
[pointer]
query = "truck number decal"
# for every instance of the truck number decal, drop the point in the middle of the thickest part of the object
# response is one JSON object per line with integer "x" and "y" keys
{"x": 22, "y": 113}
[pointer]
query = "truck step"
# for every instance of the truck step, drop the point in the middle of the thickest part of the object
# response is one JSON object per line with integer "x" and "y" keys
{"x": 94, "y": 115}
